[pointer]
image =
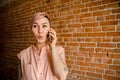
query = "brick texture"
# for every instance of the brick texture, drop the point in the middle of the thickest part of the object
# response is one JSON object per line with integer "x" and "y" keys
{"x": 89, "y": 30}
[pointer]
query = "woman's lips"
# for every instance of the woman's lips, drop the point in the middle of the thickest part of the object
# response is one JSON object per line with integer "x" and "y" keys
{"x": 39, "y": 37}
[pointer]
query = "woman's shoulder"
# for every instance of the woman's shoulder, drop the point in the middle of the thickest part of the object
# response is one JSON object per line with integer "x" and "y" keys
{"x": 24, "y": 52}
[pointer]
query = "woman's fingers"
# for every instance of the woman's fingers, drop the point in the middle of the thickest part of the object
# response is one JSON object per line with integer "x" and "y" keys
{"x": 52, "y": 32}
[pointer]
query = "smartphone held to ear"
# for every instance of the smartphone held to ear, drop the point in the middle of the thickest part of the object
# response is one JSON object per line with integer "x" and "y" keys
{"x": 49, "y": 37}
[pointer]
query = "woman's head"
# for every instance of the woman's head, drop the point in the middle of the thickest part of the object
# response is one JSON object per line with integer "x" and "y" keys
{"x": 40, "y": 24}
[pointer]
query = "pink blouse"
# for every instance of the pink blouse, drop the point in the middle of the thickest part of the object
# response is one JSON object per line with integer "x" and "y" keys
{"x": 38, "y": 67}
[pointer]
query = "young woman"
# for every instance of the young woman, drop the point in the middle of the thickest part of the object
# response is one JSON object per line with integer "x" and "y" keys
{"x": 43, "y": 60}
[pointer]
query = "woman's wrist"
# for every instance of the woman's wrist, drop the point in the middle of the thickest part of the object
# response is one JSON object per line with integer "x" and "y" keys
{"x": 52, "y": 46}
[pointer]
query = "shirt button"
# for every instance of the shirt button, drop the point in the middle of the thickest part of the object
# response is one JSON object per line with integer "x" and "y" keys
{"x": 40, "y": 73}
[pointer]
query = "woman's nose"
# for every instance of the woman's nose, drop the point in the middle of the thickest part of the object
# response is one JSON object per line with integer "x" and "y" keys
{"x": 40, "y": 30}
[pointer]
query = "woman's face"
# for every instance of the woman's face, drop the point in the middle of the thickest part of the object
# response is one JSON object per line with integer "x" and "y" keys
{"x": 40, "y": 29}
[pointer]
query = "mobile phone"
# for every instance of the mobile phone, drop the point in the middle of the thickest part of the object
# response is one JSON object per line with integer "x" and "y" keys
{"x": 49, "y": 37}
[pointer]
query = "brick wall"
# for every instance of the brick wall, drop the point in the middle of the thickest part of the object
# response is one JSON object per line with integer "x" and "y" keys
{"x": 89, "y": 30}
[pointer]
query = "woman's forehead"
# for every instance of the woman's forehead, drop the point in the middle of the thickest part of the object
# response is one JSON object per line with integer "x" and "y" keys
{"x": 41, "y": 20}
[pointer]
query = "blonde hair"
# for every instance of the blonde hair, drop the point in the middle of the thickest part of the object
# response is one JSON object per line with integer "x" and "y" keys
{"x": 38, "y": 15}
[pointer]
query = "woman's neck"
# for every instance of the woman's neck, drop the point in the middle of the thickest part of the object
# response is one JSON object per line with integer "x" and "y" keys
{"x": 39, "y": 46}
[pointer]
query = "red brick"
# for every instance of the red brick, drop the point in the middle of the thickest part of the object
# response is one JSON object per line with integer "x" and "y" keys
{"x": 108, "y": 23}
{"x": 69, "y": 61}
{"x": 101, "y": 34}
{"x": 72, "y": 44}
{"x": 90, "y": 24}
{"x": 76, "y": 11}
{"x": 107, "y": 39}
{"x": 108, "y": 28}
{"x": 118, "y": 28}
{"x": 88, "y": 44}
{"x": 60, "y": 39}
{"x": 65, "y": 35}
{"x": 99, "y": 55}
{"x": 88, "y": 29}
{"x": 93, "y": 4}
{"x": 97, "y": 39}
{"x": 109, "y": 1}
{"x": 116, "y": 61}
{"x": 101, "y": 13}
{"x": 113, "y": 34}
{"x": 80, "y": 30}
{"x": 118, "y": 73}
{"x": 80, "y": 58}
{"x": 83, "y": 78}
{"x": 80, "y": 34}
{"x": 72, "y": 49}
{"x": 75, "y": 67}
{"x": 82, "y": 63}
{"x": 107, "y": 61}
{"x": 68, "y": 52}
{"x": 93, "y": 8}
{"x": 109, "y": 77}
{"x": 72, "y": 57}
{"x": 116, "y": 10}
{"x": 84, "y": 10}
{"x": 88, "y": 59}
{"x": 117, "y": 56}
{"x": 97, "y": 60}
{"x": 86, "y": 50}
{"x": 83, "y": 68}
{"x": 100, "y": 71}
{"x": 64, "y": 1}
{"x": 110, "y": 17}
{"x": 84, "y": 15}
{"x": 67, "y": 57}
{"x": 88, "y": 40}
{"x": 74, "y": 26}
{"x": 80, "y": 54}
{"x": 110, "y": 72}
{"x": 118, "y": 45}
{"x": 91, "y": 69}
{"x": 78, "y": 6}
{"x": 91, "y": 19}
{"x": 117, "y": 50}
{"x": 114, "y": 67}
{"x": 84, "y": 1}
{"x": 98, "y": 65}
{"x": 97, "y": 29}
{"x": 70, "y": 39}
{"x": 69, "y": 66}
{"x": 71, "y": 17}
{"x": 100, "y": 18}
{"x": 102, "y": 7}
{"x": 94, "y": 75}
{"x": 114, "y": 5}
{"x": 108, "y": 45}
{"x": 118, "y": 16}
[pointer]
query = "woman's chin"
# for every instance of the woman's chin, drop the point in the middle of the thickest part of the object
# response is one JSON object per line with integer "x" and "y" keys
{"x": 40, "y": 41}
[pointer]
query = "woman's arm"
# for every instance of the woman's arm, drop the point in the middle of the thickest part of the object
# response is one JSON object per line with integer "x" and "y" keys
{"x": 59, "y": 64}
{"x": 58, "y": 61}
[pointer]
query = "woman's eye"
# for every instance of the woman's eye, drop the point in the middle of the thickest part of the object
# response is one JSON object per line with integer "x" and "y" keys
{"x": 34, "y": 26}
{"x": 44, "y": 26}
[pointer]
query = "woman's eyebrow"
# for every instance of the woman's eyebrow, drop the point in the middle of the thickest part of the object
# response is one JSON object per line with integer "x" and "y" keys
{"x": 34, "y": 23}
{"x": 45, "y": 23}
